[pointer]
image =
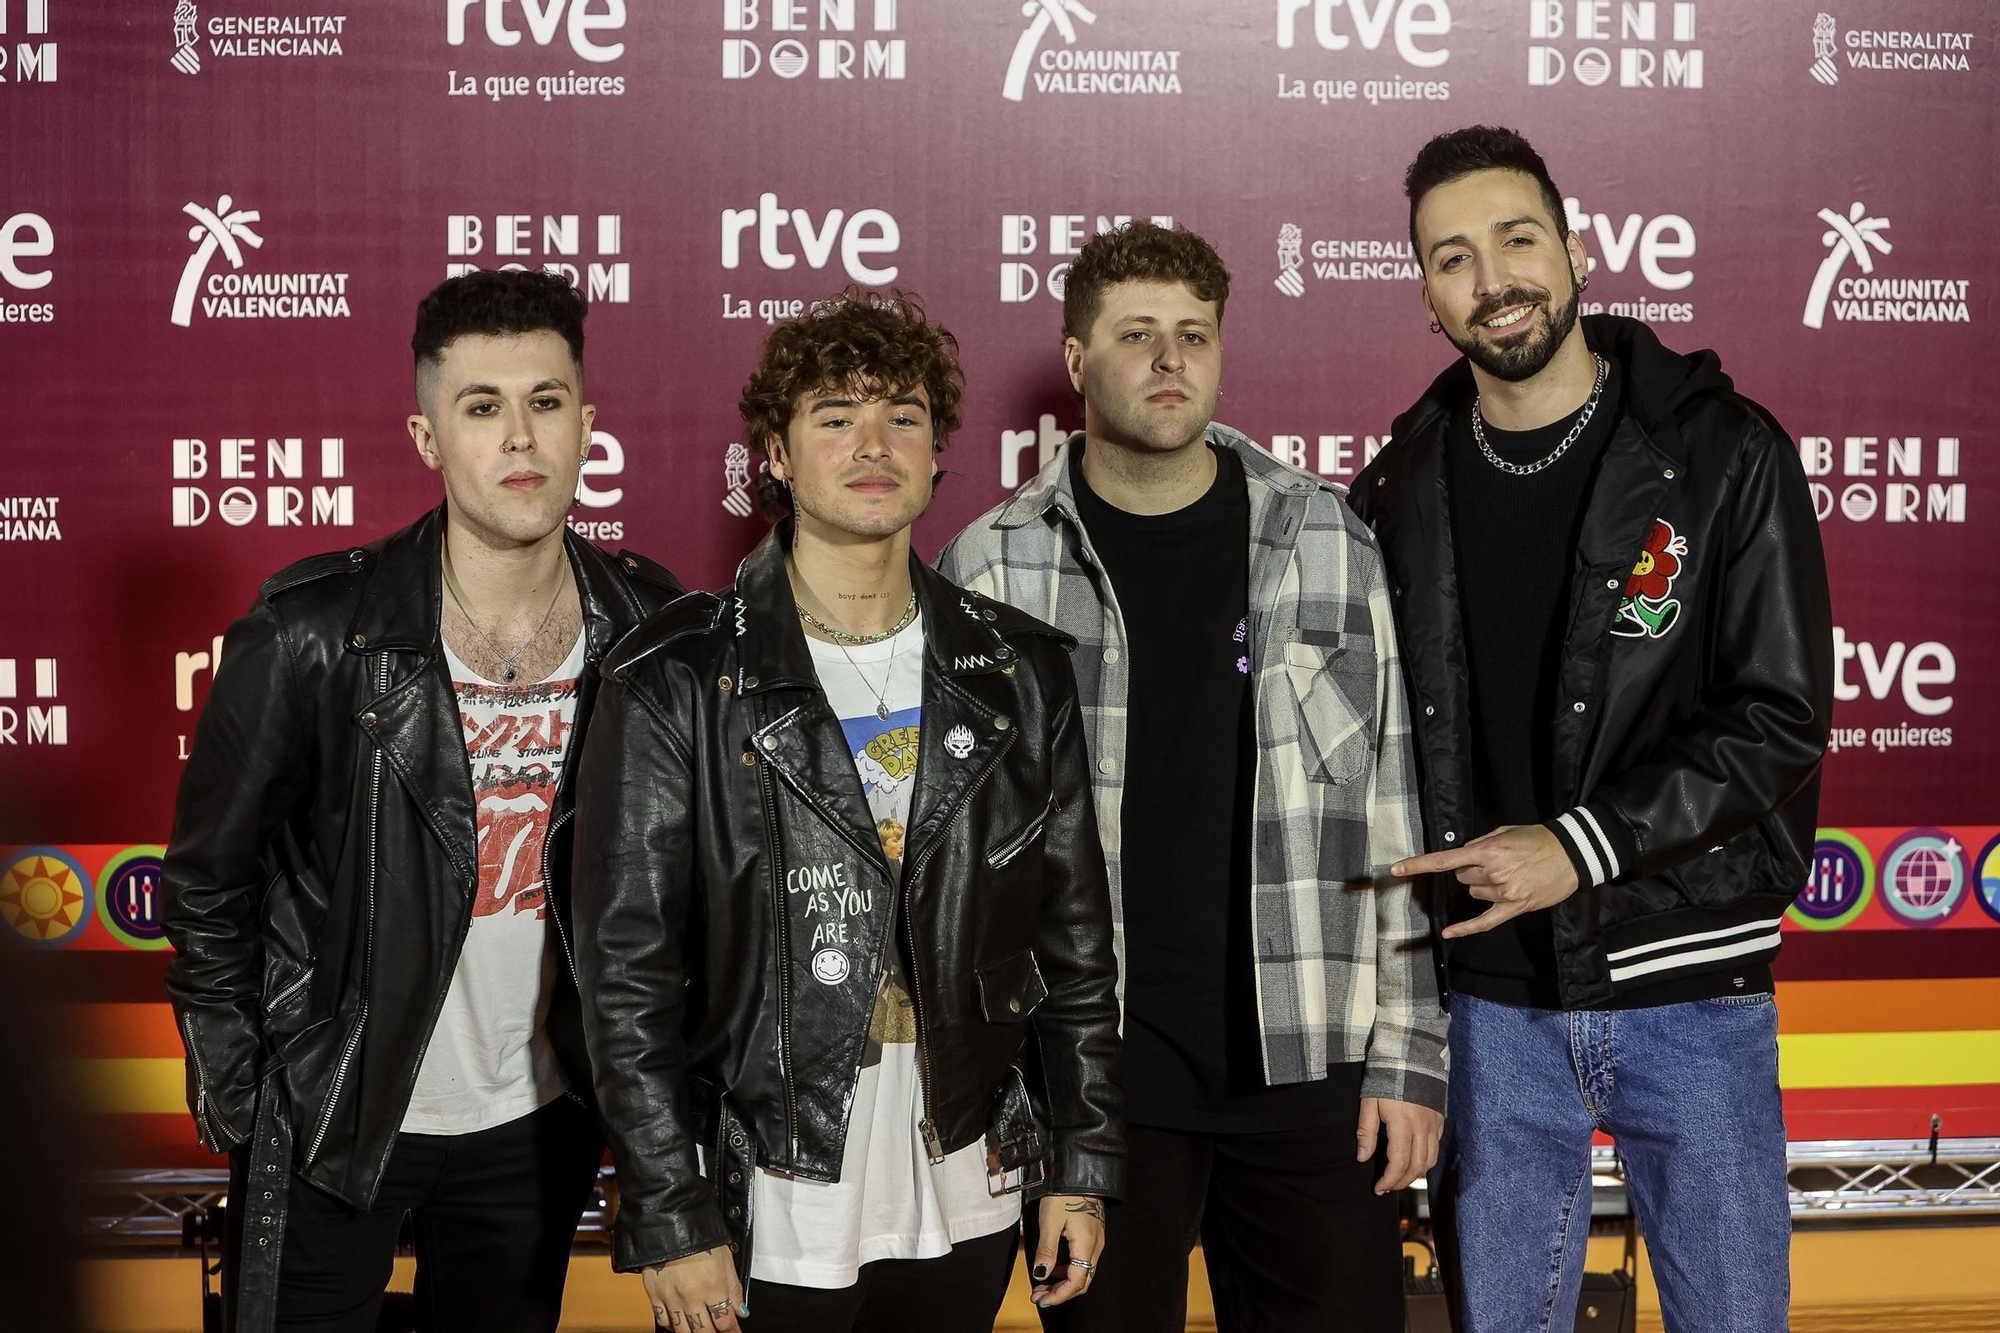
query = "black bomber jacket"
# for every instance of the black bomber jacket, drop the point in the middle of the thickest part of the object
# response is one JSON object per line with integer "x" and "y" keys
{"x": 1695, "y": 692}
{"x": 715, "y": 771}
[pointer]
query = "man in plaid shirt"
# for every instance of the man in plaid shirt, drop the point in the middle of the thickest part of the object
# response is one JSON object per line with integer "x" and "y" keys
{"x": 1284, "y": 1044}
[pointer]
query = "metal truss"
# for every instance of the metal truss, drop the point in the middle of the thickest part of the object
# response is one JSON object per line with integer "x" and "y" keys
{"x": 1832, "y": 1181}
{"x": 166, "y": 1208}
{"x": 1862, "y": 1179}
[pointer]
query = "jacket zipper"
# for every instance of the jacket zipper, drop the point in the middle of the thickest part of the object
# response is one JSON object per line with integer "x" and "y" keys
{"x": 368, "y": 948}
{"x": 213, "y": 1140}
{"x": 784, "y": 932}
{"x": 1005, "y": 855}
{"x": 289, "y": 991}
{"x": 548, "y": 892}
{"x": 933, "y": 1144}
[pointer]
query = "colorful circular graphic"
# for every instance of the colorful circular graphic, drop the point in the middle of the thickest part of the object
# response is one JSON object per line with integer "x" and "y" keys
{"x": 44, "y": 896}
{"x": 128, "y": 897}
{"x": 1986, "y": 879}
{"x": 1923, "y": 877}
{"x": 1839, "y": 882}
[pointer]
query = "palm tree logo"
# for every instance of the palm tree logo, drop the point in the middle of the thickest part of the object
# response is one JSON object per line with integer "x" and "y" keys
{"x": 215, "y": 229}
{"x": 1849, "y": 238}
{"x": 1044, "y": 15}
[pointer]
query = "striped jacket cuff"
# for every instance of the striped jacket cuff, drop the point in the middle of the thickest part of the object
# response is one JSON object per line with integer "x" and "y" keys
{"x": 1598, "y": 843}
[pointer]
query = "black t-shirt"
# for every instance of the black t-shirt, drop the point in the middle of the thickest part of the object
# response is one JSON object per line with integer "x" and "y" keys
{"x": 1192, "y": 1055}
{"x": 1515, "y": 541}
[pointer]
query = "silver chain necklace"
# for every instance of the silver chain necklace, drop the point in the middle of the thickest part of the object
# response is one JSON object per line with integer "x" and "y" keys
{"x": 507, "y": 672}
{"x": 1529, "y": 469}
{"x": 881, "y": 695}
{"x": 841, "y": 636}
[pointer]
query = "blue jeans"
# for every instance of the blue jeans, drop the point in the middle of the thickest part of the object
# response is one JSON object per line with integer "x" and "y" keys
{"x": 1690, "y": 1094}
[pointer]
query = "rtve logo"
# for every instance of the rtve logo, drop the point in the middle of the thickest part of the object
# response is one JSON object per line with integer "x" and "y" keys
{"x": 34, "y": 62}
{"x": 578, "y": 20}
{"x": 25, "y": 236}
{"x": 788, "y": 57}
{"x": 1371, "y": 21}
{"x": 32, "y": 724}
{"x": 866, "y": 232}
{"x": 561, "y": 236}
{"x": 283, "y": 506}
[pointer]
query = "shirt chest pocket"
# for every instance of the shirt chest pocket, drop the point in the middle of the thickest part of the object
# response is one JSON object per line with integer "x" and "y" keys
{"x": 1332, "y": 679}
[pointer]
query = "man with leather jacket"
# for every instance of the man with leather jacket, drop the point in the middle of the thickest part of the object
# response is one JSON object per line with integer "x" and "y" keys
{"x": 365, "y": 889}
{"x": 843, "y": 929}
{"x": 1614, "y": 610}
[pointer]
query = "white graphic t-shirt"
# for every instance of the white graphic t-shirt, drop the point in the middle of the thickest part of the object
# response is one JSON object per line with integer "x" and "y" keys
{"x": 890, "y": 1201}
{"x": 490, "y": 1060}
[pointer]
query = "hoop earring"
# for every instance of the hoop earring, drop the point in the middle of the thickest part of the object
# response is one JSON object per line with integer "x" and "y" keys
{"x": 1583, "y": 284}
{"x": 1436, "y": 327}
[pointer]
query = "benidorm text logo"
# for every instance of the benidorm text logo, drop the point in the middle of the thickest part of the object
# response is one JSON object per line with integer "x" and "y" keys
{"x": 1866, "y": 296}
{"x": 28, "y": 62}
{"x": 229, "y": 293}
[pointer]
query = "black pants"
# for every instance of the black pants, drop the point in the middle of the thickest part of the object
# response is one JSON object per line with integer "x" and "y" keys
{"x": 1293, "y": 1233}
{"x": 959, "y": 1292}
{"x": 493, "y": 1215}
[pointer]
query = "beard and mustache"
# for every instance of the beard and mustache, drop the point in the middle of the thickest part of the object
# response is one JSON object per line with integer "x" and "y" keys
{"x": 1527, "y": 354}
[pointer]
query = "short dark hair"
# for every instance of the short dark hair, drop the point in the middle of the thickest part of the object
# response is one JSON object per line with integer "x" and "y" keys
{"x": 1140, "y": 251}
{"x": 1478, "y": 148}
{"x": 495, "y": 302}
{"x": 870, "y": 343}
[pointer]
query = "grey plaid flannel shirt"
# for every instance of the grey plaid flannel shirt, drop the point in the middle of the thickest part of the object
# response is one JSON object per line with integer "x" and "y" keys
{"x": 1343, "y": 966}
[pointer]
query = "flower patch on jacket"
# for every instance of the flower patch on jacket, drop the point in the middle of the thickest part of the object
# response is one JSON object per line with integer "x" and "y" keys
{"x": 1649, "y": 609}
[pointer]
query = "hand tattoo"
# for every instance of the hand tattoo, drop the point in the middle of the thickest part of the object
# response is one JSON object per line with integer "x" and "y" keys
{"x": 1094, "y": 1207}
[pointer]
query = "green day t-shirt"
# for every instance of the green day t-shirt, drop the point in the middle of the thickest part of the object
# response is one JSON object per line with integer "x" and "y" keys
{"x": 890, "y": 1201}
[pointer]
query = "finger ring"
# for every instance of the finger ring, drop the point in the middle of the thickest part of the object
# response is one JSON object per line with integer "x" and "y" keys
{"x": 718, "y": 1307}
{"x": 1084, "y": 1264}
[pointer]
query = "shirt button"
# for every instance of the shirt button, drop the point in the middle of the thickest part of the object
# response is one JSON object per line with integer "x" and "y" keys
{"x": 1106, "y": 766}
{"x": 1430, "y": 710}
{"x": 1578, "y": 705}
{"x": 1669, "y": 474}
{"x": 1451, "y": 837}
{"x": 1110, "y": 655}
{"x": 1611, "y": 583}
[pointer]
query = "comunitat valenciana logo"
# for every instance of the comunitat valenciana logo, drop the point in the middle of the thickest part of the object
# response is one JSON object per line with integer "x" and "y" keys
{"x": 1054, "y": 55}
{"x": 1848, "y": 288}
{"x": 224, "y": 291}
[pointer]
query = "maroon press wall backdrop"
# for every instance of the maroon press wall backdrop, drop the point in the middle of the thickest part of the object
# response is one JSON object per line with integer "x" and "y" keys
{"x": 218, "y": 216}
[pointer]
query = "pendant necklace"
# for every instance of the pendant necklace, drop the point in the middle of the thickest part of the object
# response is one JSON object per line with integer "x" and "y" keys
{"x": 507, "y": 671}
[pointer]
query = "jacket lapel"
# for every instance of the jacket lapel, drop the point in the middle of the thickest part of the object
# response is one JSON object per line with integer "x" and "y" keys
{"x": 415, "y": 721}
{"x": 797, "y": 732}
